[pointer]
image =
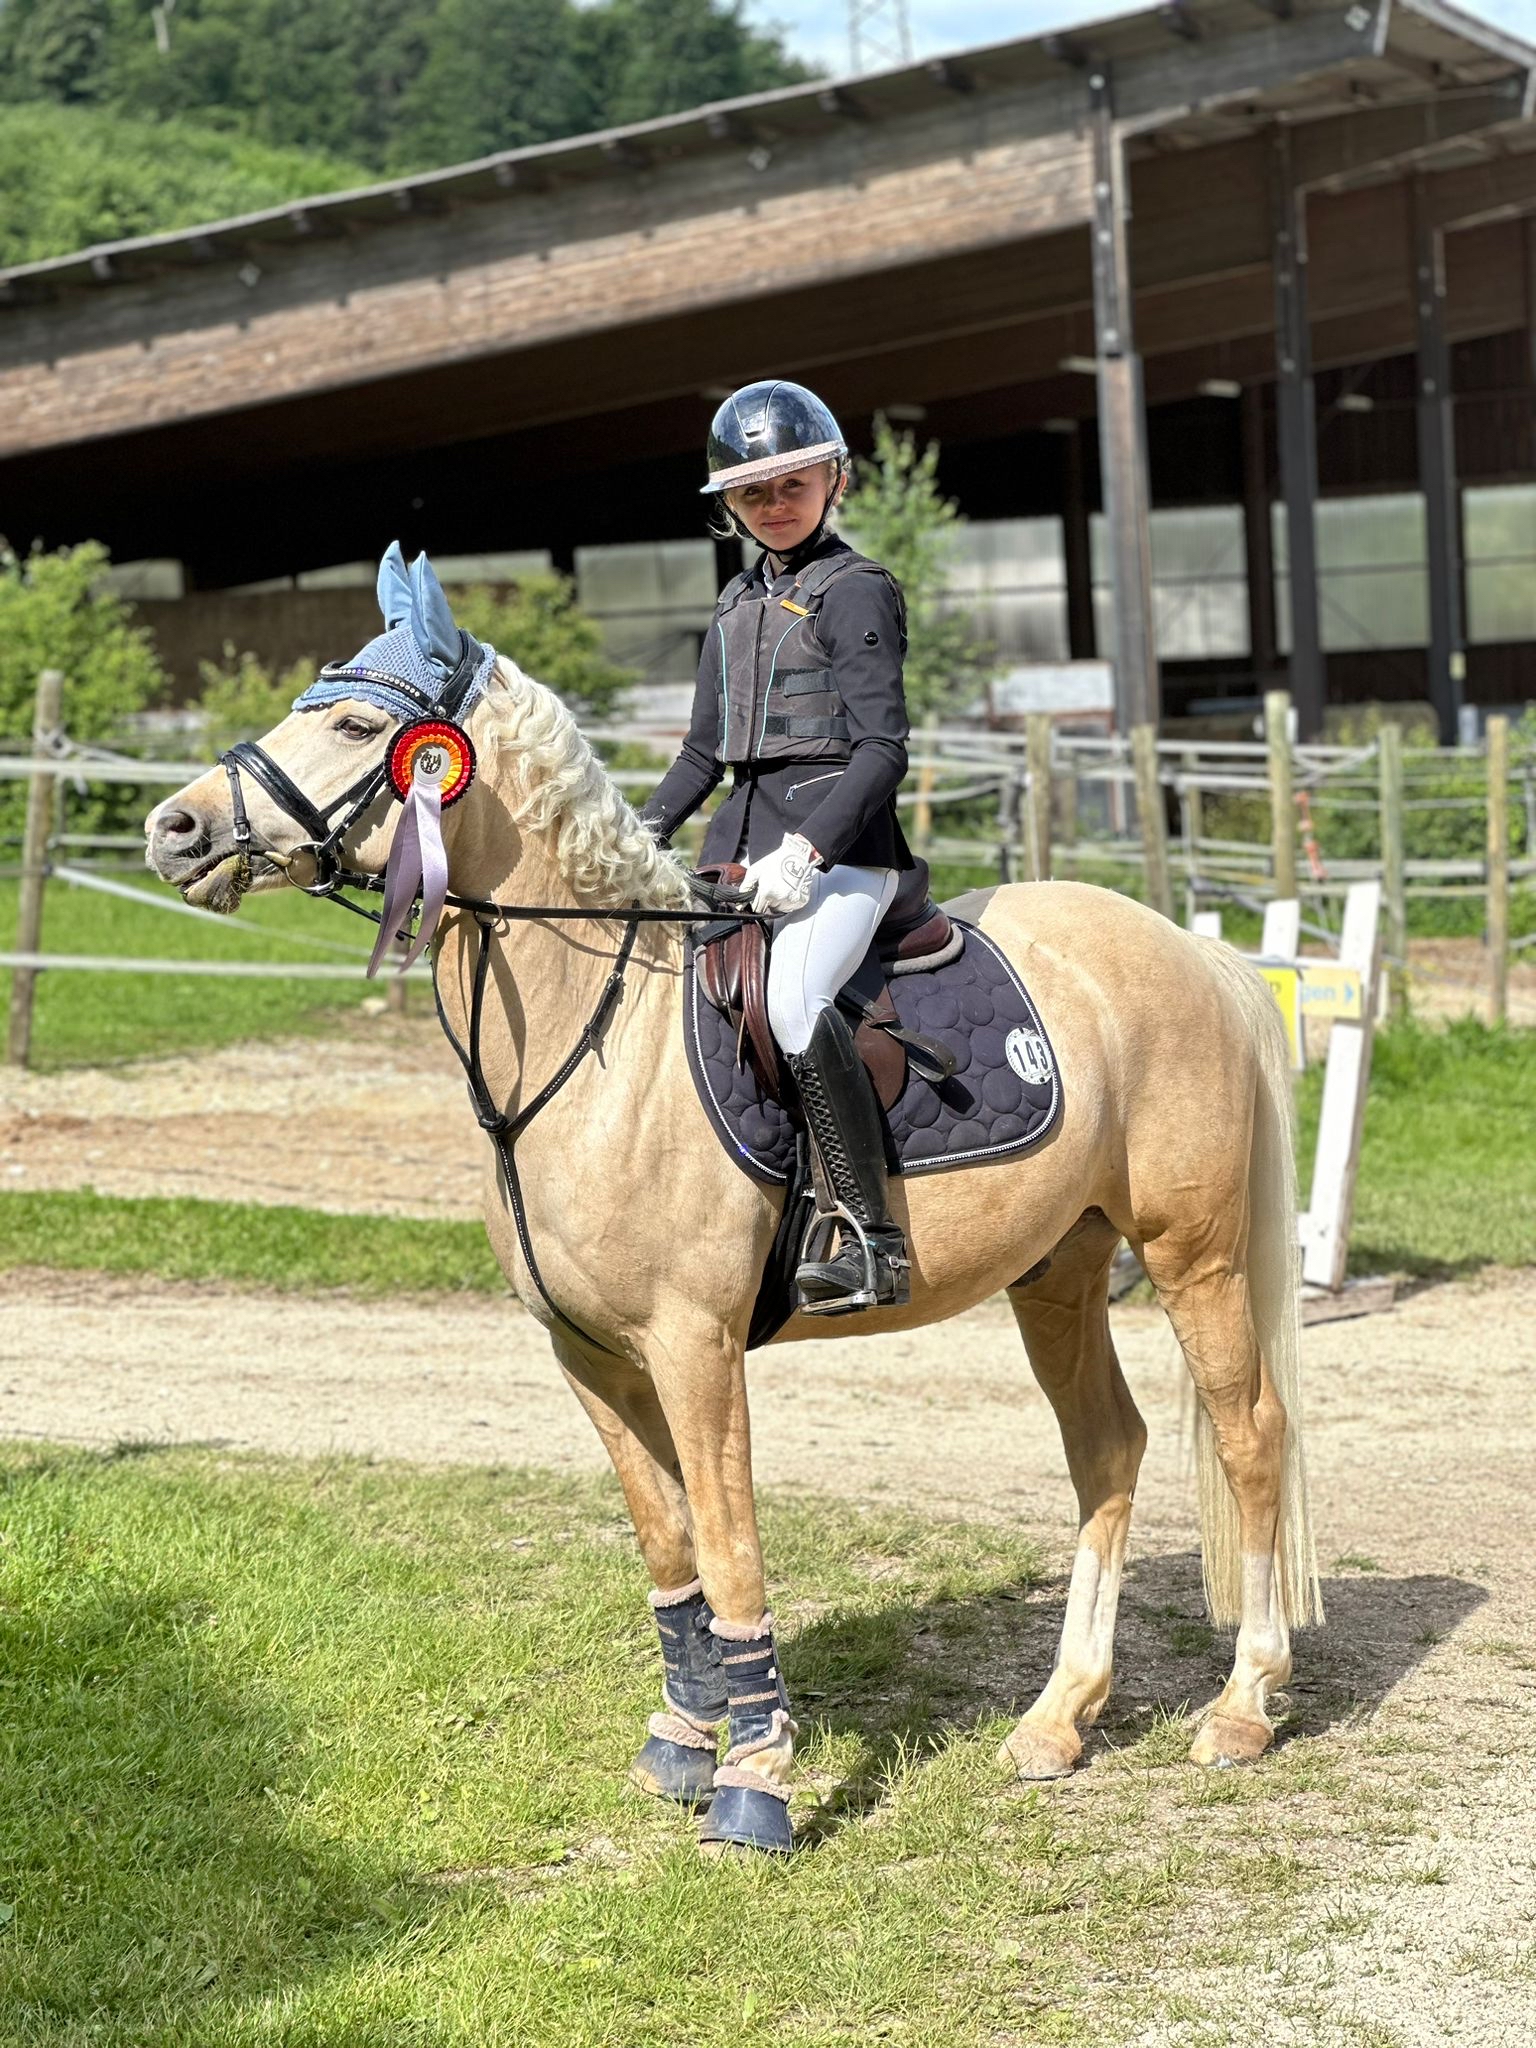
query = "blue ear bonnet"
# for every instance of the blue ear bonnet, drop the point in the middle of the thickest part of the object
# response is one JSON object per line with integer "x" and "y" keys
{"x": 422, "y": 664}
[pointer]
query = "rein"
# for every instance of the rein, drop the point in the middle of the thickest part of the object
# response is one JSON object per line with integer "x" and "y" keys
{"x": 502, "y": 1130}
{"x": 331, "y": 877}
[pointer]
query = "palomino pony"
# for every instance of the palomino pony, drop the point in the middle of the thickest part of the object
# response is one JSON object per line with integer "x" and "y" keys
{"x": 650, "y": 1243}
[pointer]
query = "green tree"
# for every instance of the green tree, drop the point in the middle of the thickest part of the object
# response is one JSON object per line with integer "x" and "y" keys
{"x": 897, "y": 514}
{"x": 71, "y": 176}
{"x": 54, "y": 613}
{"x": 241, "y": 698}
{"x": 539, "y": 625}
{"x": 642, "y": 58}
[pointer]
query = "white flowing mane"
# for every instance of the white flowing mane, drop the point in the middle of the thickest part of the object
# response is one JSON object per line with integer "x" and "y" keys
{"x": 603, "y": 849}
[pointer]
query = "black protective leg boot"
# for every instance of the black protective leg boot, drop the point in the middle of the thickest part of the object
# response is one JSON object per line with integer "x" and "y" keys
{"x": 844, "y": 1121}
{"x": 750, "y": 1809}
{"x": 678, "y": 1760}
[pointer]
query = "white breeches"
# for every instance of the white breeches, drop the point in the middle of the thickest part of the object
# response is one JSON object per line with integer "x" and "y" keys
{"x": 816, "y": 949}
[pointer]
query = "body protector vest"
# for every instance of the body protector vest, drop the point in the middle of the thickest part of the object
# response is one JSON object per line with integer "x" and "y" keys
{"x": 778, "y": 694}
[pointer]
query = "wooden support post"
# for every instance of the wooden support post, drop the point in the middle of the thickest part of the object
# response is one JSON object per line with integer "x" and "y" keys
{"x": 1497, "y": 736}
{"x": 1154, "y": 827}
{"x": 1122, "y": 421}
{"x": 1077, "y": 553}
{"x": 1282, "y": 794}
{"x": 1437, "y": 470}
{"x": 1394, "y": 893}
{"x": 1258, "y": 536}
{"x": 1037, "y": 756}
{"x": 47, "y": 711}
{"x": 1296, "y": 406}
{"x": 922, "y": 810}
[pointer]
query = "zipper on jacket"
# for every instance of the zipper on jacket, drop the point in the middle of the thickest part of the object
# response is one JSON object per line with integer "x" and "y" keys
{"x": 810, "y": 780}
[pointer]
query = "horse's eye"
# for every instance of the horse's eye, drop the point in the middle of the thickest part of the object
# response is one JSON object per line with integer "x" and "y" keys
{"x": 354, "y": 728}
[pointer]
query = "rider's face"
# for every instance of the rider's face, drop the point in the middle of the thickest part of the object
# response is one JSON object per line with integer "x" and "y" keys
{"x": 784, "y": 511}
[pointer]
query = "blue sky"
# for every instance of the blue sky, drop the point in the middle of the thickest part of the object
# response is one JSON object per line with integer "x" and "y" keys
{"x": 817, "y": 29}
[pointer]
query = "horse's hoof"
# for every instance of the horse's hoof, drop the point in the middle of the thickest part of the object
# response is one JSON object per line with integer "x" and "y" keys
{"x": 1035, "y": 1751}
{"x": 741, "y": 1818}
{"x": 1224, "y": 1740}
{"x": 675, "y": 1770}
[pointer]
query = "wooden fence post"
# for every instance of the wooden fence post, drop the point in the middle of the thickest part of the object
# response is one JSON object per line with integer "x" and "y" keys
{"x": 1037, "y": 755}
{"x": 922, "y": 810}
{"x": 1497, "y": 735}
{"x": 34, "y": 866}
{"x": 1066, "y": 797}
{"x": 1192, "y": 818}
{"x": 1154, "y": 826}
{"x": 1282, "y": 793}
{"x": 1390, "y": 752}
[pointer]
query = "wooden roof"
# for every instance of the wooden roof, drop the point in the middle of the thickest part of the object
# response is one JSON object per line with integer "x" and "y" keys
{"x": 920, "y": 233}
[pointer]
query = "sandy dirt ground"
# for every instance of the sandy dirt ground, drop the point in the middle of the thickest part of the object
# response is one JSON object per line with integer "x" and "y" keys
{"x": 1423, "y": 1449}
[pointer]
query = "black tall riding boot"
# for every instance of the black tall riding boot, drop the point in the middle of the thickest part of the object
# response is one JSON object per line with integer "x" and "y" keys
{"x": 870, "y": 1269}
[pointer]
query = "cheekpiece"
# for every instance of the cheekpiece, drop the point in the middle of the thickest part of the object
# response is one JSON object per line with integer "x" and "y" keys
{"x": 436, "y": 750}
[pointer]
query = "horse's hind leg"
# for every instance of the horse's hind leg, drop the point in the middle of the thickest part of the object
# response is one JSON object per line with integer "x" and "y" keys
{"x": 1207, "y": 1300}
{"x": 679, "y": 1756}
{"x": 1064, "y": 1318}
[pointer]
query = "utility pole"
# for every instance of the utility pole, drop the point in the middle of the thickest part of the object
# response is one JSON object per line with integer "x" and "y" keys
{"x": 879, "y": 34}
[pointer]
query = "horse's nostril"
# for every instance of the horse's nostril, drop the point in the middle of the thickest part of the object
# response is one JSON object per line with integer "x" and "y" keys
{"x": 176, "y": 825}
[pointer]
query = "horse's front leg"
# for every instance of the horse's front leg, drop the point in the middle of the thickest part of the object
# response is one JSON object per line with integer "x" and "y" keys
{"x": 699, "y": 1371}
{"x": 679, "y": 1756}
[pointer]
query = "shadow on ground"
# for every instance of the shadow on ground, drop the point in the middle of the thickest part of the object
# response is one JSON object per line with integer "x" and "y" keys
{"x": 910, "y": 1674}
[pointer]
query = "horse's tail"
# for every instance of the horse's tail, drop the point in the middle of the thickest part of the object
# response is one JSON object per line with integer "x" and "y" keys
{"x": 1274, "y": 1293}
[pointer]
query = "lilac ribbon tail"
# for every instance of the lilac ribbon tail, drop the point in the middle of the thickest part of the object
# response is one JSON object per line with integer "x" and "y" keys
{"x": 434, "y": 866}
{"x": 416, "y": 861}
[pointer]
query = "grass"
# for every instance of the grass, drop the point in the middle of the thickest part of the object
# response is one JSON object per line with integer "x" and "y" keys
{"x": 99, "y": 1019}
{"x": 1450, "y": 1131}
{"x": 329, "y": 1753}
{"x": 248, "y": 1244}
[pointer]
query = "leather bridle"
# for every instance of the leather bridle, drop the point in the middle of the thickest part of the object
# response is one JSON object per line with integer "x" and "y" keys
{"x": 331, "y": 877}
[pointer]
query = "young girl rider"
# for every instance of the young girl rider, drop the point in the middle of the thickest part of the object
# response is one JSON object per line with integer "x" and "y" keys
{"x": 800, "y": 696}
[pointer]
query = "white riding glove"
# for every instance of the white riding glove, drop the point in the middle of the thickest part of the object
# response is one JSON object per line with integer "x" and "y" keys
{"x": 781, "y": 881}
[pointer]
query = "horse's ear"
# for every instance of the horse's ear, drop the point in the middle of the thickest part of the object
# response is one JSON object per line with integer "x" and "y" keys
{"x": 432, "y": 617}
{"x": 394, "y": 588}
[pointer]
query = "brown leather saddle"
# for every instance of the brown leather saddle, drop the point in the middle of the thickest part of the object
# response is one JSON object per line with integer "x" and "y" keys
{"x": 730, "y": 962}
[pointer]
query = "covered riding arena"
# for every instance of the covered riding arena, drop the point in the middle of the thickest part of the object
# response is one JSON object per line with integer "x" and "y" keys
{"x": 1224, "y": 315}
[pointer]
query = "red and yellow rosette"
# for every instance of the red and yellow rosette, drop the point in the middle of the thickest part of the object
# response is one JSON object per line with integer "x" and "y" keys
{"x": 440, "y": 751}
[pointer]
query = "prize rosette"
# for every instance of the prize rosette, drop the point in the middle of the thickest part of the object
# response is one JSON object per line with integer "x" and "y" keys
{"x": 437, "y": 751}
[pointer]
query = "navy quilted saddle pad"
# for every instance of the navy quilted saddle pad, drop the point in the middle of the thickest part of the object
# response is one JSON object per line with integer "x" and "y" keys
{"x": 1003, "y": 1097}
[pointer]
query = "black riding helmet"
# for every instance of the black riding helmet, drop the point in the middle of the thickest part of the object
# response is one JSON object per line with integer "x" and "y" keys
{"x": 766, "y": 430}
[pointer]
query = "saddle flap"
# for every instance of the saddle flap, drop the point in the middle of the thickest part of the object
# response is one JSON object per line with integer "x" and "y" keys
{"x": 885, "y": 1061}
{"x": 733, "y": 973}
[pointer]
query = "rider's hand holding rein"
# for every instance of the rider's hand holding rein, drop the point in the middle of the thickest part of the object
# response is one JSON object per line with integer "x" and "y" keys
{"x": 800, "y": 696}
{"x": 781, "y": 881}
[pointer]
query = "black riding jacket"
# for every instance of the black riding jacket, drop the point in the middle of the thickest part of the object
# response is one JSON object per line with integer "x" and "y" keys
{"x": 799, "y": 694}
